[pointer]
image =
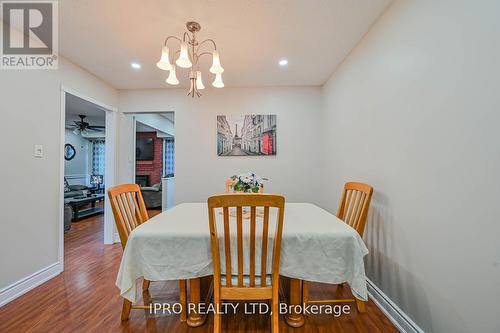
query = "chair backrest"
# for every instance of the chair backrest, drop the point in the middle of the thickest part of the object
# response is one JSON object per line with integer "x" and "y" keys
{"x": 253, "y": 202}
{"x": 354, "y": 205}
{"x": 128, "y": 208}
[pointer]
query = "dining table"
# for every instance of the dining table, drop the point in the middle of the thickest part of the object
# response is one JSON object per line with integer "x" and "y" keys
{"x": 175, "y": 245}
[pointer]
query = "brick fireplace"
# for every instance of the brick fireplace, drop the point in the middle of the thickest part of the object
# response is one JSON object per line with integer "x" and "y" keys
{"x": 153, "y": 169}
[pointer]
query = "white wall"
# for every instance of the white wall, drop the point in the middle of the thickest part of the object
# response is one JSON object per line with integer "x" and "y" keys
{"x": 79, "y": 165}
{"x": 415, "y": 111}
{"x": 158, "y": 122}
{"x": 30, "y": 105}
{"x": 199, "y": 172}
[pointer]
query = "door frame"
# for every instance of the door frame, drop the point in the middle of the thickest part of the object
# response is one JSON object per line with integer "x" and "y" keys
{"x": 111, "y": 115}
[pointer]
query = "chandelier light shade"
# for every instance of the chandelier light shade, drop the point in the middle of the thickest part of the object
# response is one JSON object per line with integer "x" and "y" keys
{"x": 183, "y": 60}
{"x": 218, "y": 81}
{"x": 216, "y": 67}
{"x": 189, "y": 52}
{"x": 164, "y": 62}
{"x": 172, "y": 78}
{"x": 199, "y": 82}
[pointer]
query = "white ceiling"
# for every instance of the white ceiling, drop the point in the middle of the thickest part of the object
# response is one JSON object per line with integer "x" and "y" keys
{"x": 169, "y": 115}
{"x": 76, "y": 106}
{"x": 104, "y": 37}
{"x": 141, "y": 127}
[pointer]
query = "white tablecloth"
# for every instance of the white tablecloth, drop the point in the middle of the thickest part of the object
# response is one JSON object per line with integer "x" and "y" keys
{"x": 316, "y": 246}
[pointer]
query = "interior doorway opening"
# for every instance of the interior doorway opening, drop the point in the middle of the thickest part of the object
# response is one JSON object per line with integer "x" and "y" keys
{"x": 154, "y": 162}
{"x": 87, "y": 164}
{"x": 84, "y": 160}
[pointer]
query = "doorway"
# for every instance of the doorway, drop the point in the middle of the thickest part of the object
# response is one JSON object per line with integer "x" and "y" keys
{"x": 84, "y": 160}
{"x": 88, "y": 130}
{"x": 154, "y": 162}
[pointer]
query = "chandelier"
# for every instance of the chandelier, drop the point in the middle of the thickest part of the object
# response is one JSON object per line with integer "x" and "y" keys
{"x": 189, "y": 55}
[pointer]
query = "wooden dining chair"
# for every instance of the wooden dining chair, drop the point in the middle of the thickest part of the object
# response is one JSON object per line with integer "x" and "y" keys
{"x": 129, "y": 212}
{"x": 256, "y": 286}
{"x": 354, "y": 205}
{"x": 353, "y": 210}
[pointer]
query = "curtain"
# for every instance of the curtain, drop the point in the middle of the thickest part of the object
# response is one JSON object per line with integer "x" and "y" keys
{"x": 97, "y": 156}
{"x": 168, "y": 157}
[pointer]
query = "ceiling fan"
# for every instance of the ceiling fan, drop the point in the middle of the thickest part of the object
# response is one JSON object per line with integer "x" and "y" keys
{"x": 82, "y": 127}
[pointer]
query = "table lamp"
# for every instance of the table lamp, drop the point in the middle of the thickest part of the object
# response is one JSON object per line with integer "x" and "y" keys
{"x": 96, "y": 180}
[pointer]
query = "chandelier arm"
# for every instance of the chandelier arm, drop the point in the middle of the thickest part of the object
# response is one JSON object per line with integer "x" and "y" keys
{"x": 207, "y": 40}
{"x": 166, "y": 39}
{"x": 198, "y": 56}
{"x": 184, "y": 37}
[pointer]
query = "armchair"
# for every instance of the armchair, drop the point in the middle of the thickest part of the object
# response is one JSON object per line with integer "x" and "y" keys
{"x": 152, "y": 196}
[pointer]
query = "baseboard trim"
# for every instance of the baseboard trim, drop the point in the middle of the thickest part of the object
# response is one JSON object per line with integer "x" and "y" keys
{"x": 24, "y": 285}
{"x": 392, "y": 311}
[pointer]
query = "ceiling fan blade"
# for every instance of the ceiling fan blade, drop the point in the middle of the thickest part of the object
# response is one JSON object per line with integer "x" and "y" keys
{"x": 93, "y": 127}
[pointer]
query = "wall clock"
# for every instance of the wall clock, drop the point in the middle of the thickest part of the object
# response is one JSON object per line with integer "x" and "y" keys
{"x": 69, "y": 152}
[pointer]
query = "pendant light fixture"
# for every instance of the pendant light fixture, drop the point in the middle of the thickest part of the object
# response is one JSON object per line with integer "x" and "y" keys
{"x": 190, "y": 51}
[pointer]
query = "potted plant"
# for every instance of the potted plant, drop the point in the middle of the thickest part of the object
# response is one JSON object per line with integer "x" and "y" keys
{"x": 247, "y": 183}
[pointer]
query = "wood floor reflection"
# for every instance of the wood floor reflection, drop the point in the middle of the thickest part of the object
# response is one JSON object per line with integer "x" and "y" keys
{"x": 84, "y": 299}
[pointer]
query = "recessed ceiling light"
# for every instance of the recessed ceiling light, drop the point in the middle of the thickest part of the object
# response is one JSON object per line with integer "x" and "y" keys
{"x": 283, "y": 62}
{"x": 135, "y": 65}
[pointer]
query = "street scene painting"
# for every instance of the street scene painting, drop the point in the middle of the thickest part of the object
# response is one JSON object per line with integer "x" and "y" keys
{"x": 247, "y": 135}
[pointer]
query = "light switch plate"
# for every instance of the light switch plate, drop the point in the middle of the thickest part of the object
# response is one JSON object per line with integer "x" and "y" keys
{"x": 38, "y": 151}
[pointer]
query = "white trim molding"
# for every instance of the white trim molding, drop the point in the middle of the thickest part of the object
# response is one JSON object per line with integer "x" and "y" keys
{"x": 116, "y": 237}
{"x": 24, "y": 285}
{"x": 400, "y": 319}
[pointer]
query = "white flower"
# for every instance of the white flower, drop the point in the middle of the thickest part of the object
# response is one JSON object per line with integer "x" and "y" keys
{"x": 245, "y": 179}
{"x": 250, "y": 179}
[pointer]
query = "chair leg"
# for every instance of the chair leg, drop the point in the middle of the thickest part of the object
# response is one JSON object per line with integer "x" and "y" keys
{"x": 183, "y": 299}
{"x": 217, "y": 323}
{"x": 305, "y": 292}
{"x": 361, "y": 305}
{"x": 127, "y": 305}
{"x": 217, "y": 315}
{"x": 145, "y": 284}
{"x": 275, "y": 319}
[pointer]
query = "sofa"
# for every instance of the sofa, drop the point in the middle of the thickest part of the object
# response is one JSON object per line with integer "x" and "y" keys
{"x": 71, "y": 191}
{"x": 152, "y": 196}
{"x": 75, "y": 191}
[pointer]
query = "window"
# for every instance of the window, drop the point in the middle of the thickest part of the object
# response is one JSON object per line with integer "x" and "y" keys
{"x": 168, "y": 157}
{"x": 97, "y": 156}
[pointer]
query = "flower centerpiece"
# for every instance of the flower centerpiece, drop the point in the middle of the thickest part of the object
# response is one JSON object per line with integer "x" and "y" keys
{"x": 247, "y": 183}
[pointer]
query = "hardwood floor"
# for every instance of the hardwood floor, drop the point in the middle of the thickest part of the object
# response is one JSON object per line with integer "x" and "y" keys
{"x": 84, "y": 299}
